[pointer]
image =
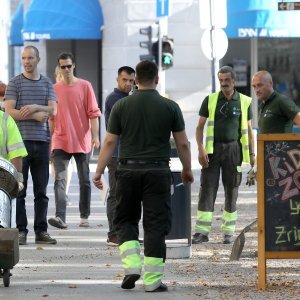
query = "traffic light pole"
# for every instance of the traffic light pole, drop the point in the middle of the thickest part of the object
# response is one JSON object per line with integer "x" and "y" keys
{"x": 162, "y": 30}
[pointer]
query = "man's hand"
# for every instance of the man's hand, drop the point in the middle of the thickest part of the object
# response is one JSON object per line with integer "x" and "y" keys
{"x": 187, "y": 176}
{"x": 203, "y": 157}
{"x": 251, "y": 177}
{"x": 98, "y": 181}
{"x": 20, "y": 181}
{"x": 41, "y": 116}
{"x": 95, "y": 142}
{"x": 27, "y": 110}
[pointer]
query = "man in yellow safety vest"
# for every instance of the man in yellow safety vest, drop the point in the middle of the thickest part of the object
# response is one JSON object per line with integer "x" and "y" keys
{"x": 229, "y": 142}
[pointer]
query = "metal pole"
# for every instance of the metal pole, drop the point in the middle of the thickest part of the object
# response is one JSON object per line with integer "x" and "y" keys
{"x": 254, "y": 67}
{"x": 212, "y": 45}
{"x": 162, "y": 30}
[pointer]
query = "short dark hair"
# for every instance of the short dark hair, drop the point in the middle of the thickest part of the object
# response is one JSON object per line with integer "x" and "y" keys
{"x": 2, "y": 88}
{"x": 66, "y": 55}
{"x": 127, "y": 70}
{"x": 35, "y": 49}
{"x": 227, "y": 69}
{"x": 146, "y": 71}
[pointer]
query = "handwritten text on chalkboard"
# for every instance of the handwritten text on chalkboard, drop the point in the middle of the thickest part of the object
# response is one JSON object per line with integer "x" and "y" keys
{"x": 282, "y": 195}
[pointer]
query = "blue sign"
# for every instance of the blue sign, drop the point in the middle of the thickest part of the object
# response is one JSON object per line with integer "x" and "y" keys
{"x": 162, "y": 8}
{"x": 253, "y": 18}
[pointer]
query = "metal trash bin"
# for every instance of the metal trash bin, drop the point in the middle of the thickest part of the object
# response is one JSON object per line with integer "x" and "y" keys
{"x": 179, "y": 238}
{"x": 9, "y": 238}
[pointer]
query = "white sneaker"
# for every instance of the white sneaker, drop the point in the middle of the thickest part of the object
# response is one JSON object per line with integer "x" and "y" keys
{"x": 84, "y": 223}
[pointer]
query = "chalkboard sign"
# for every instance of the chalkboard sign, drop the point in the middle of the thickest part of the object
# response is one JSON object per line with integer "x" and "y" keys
{"x": 278, "y": 199}
{"x": 282, "y": 195}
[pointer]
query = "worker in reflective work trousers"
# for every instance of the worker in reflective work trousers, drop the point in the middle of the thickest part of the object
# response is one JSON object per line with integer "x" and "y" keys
{"x": 229, "y": 142}
{"x": 144, "y": 122}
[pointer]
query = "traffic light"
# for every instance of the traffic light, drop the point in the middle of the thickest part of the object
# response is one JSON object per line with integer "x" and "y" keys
{"x": 150, "y": 32}
{"x": 167, "y": 52}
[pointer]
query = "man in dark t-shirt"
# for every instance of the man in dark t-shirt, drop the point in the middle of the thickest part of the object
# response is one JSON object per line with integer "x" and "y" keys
{"x": 277, "y": 113}
{"x": 229, "y": 142}
{"x": 144, "y": 122}
{"x": 125, "y": 83}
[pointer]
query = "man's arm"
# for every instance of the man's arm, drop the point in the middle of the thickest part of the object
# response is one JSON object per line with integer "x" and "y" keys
{"x": 296, "y": 120}
{"x": 202, "y": 155}
{"x": 95, "y": 132}
{"x": 184, "y": 154}
{"x": 106, "y": 152}
{"x": 18, "y": 163}
{"x": 251, "y": 143}
{"x": 30, "y": 112}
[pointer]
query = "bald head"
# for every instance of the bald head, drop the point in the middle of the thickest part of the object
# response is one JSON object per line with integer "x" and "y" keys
{"x": 262, "y": 85}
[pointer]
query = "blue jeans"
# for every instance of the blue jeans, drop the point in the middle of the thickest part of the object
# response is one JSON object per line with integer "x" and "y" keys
{"x": 61, "y": 160}
{"x": 37, "y": 162}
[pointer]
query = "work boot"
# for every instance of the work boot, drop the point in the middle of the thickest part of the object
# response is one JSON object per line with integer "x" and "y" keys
{"x": 58, "y": 223}
{"x": 161, "y": 288}
{"x": 227, "y": 239}
{"x": 22, "y": 238}
{"x": 129, "y": 281}
{"x": 113, "y": 241}
{"x": 44, "y": 238}
{"x": 199, "y": 238}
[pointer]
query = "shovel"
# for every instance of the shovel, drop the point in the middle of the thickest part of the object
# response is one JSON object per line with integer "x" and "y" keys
{"x": 239, "y": 242}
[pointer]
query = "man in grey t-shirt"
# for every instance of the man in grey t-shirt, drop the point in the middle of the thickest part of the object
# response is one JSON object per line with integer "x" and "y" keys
{"x": 30, "y": 99}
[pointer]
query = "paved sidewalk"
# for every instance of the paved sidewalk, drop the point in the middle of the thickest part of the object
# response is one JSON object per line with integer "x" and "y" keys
{"x": 82, "y": 265}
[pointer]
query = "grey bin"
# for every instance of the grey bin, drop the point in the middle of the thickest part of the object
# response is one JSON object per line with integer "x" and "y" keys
{"x": 181, "y": 212}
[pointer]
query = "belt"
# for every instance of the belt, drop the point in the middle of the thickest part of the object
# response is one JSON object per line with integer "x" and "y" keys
{"x": 144, "y": 162}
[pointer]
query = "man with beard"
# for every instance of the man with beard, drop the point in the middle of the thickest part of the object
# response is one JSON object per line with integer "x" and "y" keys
{"x": 125, "y": 83}
{"x": 229, "y": 142}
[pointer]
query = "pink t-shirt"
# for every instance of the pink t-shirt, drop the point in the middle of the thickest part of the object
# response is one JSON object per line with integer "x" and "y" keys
{"x": 76, "y": 105}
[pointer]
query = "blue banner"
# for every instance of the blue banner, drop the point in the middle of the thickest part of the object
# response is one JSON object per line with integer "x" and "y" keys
{"x": 257, "y": 18}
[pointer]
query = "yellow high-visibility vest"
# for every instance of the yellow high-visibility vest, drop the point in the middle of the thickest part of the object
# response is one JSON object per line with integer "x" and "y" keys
{"x": 212, "y": 104}
{"x": 11, "y": 142}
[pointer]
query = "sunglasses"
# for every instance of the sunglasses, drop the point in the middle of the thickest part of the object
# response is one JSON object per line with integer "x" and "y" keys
{"x": 66, "y": 66}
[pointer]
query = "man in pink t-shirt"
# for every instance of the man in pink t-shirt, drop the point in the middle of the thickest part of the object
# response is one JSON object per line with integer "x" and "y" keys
{"x": 75, "y": 130}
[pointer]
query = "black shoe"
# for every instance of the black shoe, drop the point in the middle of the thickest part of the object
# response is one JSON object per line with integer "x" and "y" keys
{"x": 161, "y": 288}
{"x": 58, "y": 223}
{"x": 22, "y": 238}
{"x": 199, "y": 238}
{"x": 44, "y": 238}
{"x": 112, "y": 241}
{"x": 129, "y": 281}
{"x": 227, "y": 239}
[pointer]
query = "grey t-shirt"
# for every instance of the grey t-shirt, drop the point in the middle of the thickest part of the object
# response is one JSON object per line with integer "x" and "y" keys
{"x": 26, "y": 91}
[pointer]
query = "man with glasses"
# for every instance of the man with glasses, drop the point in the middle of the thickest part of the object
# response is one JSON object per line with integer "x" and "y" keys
{"x": 30, "y": 100}
{"x": 229, "y": 142}
{"x": 75, "y": 131}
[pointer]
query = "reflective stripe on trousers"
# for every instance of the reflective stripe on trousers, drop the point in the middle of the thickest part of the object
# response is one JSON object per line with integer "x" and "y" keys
{"x": 154, "y": 270}
{"x": 229, "y": 222}
{"x": 203, "y": 222}
{"x": 131, "y": 258}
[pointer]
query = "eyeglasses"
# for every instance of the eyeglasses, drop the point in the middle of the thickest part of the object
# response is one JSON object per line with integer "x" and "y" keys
{"x": 66, "y": 66}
